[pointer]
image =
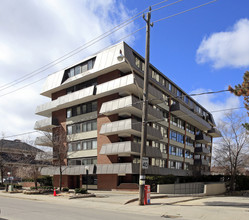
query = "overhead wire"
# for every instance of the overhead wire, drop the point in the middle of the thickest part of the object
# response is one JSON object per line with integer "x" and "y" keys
{"x": 75, "y": 51}
{"x": 159, "y": 120}
{"x": 100, "y": 37}
{"x": 199, "y": 6}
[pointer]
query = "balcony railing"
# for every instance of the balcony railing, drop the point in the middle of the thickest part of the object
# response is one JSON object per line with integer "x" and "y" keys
{"x": 129, "y": 148}
{"x": 127, "y": 127}
{"x": 187, "y": 115}
{"x": 129, "y": 104}
{"x": 203, "y": 138}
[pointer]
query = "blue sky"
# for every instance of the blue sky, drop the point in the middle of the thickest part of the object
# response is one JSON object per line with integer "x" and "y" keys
{"x": 38, "y": 32}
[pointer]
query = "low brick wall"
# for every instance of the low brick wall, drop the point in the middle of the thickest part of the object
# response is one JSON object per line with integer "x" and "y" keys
{"x": 29, "y": 184}
{"x": 125, "y": 186}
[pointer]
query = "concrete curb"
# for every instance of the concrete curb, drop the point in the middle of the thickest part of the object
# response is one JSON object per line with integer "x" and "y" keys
{"x": 152, "y": 197}
{"x": 161, "y": 197}
{"x": 82, "y": 196}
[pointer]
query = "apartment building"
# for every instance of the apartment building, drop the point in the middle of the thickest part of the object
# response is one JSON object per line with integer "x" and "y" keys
{"x": 97, "y": 105}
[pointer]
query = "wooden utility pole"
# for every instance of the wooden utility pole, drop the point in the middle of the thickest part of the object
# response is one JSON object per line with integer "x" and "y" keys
{"x": 145, "y": 110}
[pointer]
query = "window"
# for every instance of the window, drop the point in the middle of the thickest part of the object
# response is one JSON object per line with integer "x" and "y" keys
{"x": 82, "y": 109}
{"x": 189, "y": 141}
{"x": 186, "y": 99}
{"x": 172, "y": 150}
{"x": 80, "y": 68}
{"x": 83, "y": 85}
{"x": 173, "y": 135}
{"x": 179, "y": 152}
{"x": 136, "y": 139}
{"x": 187, "y": 154}
{"x": 179, "y": 94}
{"x": 163, "y": 148}
{"x": 69, "y": 112}
{"x": 175, "y": 165}
{"x": 82, "y": 127}
{"x": 181, "y": 124}
{"x": 180, "y": 138}
{"x": 190, "y": 129}
{"x": 173, "y": 120}
{"x": 137, "y": 62}
{"x": 69, "y": 129}
{"x": 70, "y": 147}
{"x": 82, "y": 145}
{"x": 77, "y": 70}
{"x": 170, "y": 87}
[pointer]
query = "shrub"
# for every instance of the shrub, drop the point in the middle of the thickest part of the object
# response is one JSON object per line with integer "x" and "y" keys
{"x": 65, "y": 189}
{"x": 45, "y": 181}
{"x": 80, "y": 191}
{"x": 17, "y": 186}
{"x": 42, "y": 188}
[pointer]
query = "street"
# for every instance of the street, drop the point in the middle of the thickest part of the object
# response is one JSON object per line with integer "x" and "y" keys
{"x": 20, "y": 209}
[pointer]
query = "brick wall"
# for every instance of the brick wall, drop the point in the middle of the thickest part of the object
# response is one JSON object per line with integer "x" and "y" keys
{"x": 107, "y": 181}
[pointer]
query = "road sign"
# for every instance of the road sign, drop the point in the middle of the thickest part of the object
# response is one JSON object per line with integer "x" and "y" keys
{"x": 145, "y": 163}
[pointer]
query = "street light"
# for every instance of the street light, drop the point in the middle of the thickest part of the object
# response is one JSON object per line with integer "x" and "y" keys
{"x": 87, "y": 169}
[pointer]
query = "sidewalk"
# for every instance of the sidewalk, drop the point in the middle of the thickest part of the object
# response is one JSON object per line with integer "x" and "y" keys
{"x": 185, "y": 207}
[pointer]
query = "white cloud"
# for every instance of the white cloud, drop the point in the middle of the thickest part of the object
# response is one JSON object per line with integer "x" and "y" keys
{"x": 216, "y": 102}
{"x": 226, "y": 49}
{"x": 36, "y": 33}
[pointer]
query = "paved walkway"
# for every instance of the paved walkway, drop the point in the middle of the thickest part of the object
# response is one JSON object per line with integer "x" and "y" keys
{"x": 187, "y": 207}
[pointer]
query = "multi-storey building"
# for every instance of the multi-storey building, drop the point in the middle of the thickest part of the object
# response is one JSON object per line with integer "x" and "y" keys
{"x": 97, "y": 103}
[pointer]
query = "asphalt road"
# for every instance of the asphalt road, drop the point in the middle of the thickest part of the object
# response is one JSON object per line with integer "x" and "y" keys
{"x": 20, "y": 209}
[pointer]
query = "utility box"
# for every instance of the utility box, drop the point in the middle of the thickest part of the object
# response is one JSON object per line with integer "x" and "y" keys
{"x": 147, "y": 195}
{"x": 10, "y": 188}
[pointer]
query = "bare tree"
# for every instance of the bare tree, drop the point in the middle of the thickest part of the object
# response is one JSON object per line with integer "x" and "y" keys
{"x": 58, "y": 141}
{"x": 231, "y": 150}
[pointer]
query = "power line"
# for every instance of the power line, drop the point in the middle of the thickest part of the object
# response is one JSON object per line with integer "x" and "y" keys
{"x": 184, "y": 11}
{"x": 166, "y": 5}
{"x": 15, "y": 135}
{"x": 49, "y": 67}
{"x": 72, "y": 53}
{"x": 159, "y": 120}
{"x": 76, "y": 50}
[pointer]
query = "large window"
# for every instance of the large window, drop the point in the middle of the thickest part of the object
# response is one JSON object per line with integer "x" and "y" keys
{"x": 88, "y": 144}
{"x": 175, "y": 165}
{"x": 83, "y": 161}
{"x": 82, "y": 109}
{"x": 180, "y": 138}
{"x": 82, "y": 127}
{"x": 80, "y": 68}
{"x": 173, "y": 135}
{"x": 176, "y": 151}
{"x": 80, "y": 86}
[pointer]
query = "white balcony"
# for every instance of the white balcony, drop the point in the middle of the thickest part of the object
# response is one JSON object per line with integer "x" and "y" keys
{"x": 127, "y": 84}
{"x": 130, "y": 168}
{"x": 45, "y": 124}
{"x": 187, "y": 115}
{"x": 43, "y": 141}
{"x": 66, "y": 101}
{"x": 130, "y": 105}
{"x": 127, "y": 127}
{"x": 128, "y": 148}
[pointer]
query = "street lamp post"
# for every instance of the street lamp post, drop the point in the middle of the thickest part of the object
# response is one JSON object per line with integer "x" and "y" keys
{"x": 87, "y": 169}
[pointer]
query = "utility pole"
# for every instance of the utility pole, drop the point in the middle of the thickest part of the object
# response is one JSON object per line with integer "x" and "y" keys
{"x": 144, "y": 110}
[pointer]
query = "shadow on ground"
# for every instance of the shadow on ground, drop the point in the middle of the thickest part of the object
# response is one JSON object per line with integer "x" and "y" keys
{"x": 230, "y": 204}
